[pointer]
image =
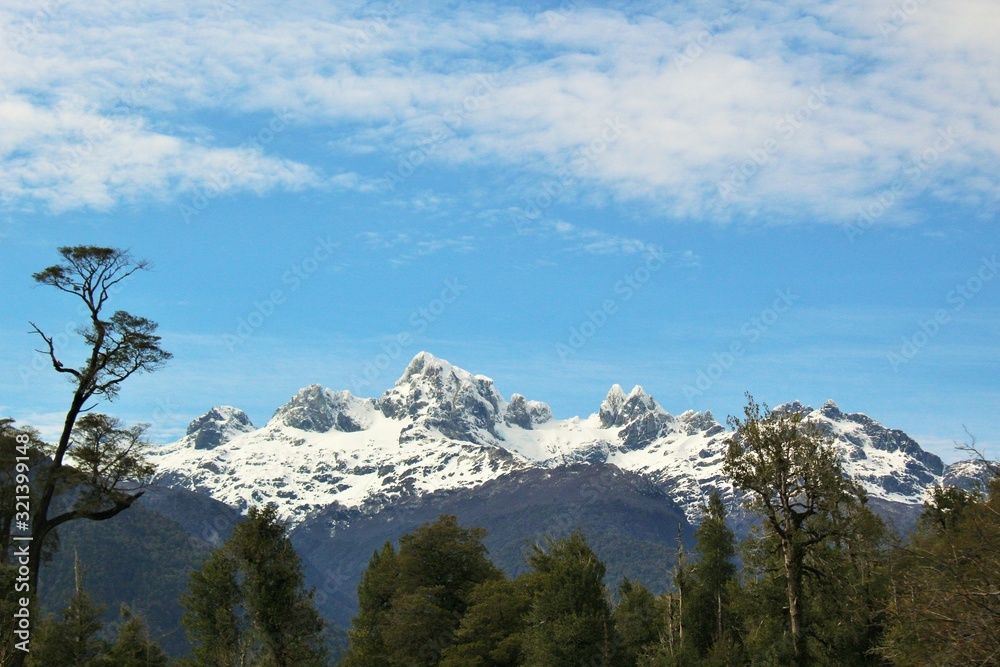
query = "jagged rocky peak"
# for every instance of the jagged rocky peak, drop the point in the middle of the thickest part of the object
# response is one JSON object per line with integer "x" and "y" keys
{"x": 637, "y": 414}
{"x": 705, "y": 422}
{"x": 445, "y": 397}
{"x": 619, "y": 409}
{"x": 218, "y": 426}
{"x": 796, "y": 407}
{"x": 831, "y": 410}
{"x": 972, "y": 474}
{"x": 524, "y": 413}
{"x": 321, "y": 410}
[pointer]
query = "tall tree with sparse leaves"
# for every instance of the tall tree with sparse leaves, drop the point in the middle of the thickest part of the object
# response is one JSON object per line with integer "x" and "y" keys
{"x": 108, "y": 475}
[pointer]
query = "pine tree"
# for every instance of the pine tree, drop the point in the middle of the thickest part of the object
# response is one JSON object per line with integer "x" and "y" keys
{"x": 708, "y": 614}
{"x": 134, "y": 647}
{"x": 635, "y": 621}
{"x": 248, "y": 604}
{"x": 570, "y": 623}
{"x": 214, "y": 618}
{"x": 412, "y": 600}
{"x": 75, "y": 640}
{"x": 490, "y": 634}
{"x": 366, "y": 647}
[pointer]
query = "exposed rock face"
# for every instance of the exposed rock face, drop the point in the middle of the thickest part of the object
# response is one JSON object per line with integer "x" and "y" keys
{"x": 972, "y": 474}
{"x": 524, "y": 413}
{"x": 886, "y": 459}
{"x": 320, "y": 410}
{"x": 441, "y": 427}
{"x": 442, "y": 397}
{"x": 640, "y": 419}
{"x": 218, "y": 426}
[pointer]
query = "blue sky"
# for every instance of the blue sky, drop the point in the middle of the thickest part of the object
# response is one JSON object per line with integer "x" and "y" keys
{"x": 705, "y": 199}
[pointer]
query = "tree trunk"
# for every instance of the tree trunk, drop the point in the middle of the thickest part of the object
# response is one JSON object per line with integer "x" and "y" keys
{"x": 793, "y": 579}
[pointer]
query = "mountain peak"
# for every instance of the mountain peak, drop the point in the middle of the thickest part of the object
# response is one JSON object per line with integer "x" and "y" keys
{"x": 524, "y": 413}
{"x": 619, "y": 409}
{"x": 831, "y": 410}
{"x": 218, "y": 426}
{"x": 447, "y": 398}
{"x": 320, "y": 410}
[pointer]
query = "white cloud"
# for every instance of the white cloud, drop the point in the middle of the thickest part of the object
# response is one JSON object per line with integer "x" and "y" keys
{"x": 697, "y": 103}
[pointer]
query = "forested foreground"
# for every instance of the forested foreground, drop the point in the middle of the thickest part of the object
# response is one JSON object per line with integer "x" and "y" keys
{"x": 821, "y": 581}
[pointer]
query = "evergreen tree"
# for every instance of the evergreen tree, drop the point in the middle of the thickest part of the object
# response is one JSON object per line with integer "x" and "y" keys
{"x": 366, "y": 646}
{"x": 635, "y": 621}
{"x": 490, "y": 634}
{"x": 134, "y": 647}
{"x": 411, "y": 601}
{"x": 708, "y": 614}
{"x": 570, "y": 623}
{"x": 214, "y": 618}
{"x": 75, "y": 640}
{"x": 248, "y": 604}
{"x": 792, "y": 479}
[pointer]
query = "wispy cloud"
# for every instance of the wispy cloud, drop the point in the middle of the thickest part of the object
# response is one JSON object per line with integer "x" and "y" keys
{"x": 694, "y": 116}
{"x": 413, "y": 246}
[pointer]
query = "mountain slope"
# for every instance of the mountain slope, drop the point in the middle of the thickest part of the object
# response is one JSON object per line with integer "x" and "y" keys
{"x": 441, "y": 427}
{"x": 631, "y": 523}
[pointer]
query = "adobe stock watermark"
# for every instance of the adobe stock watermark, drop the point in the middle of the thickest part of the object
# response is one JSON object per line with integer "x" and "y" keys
{"x": 125, "y": 107}
{"x": 296, "y": 275}
{"x": 914, "y": 170}
{"x": 36, "y": 363}
{"x": 374, "y": 26}
{"x": 696, "y": 47}
{"x": 596, "y": 319}
{"x": 750, "y": 332}
{"x": 553, "y": 188}
{"x": 451, "y": 123}
{"x": 28, "y": 30}
{"x": 927, "y": 329}
{"x": 419, "y": 320}
{"x": 900, "y": 14}
{"x": 559, "y": 15}
{"x": 786, "y": 127}
{"x": 21, "y": 538}
{"x": 250, "y": 153}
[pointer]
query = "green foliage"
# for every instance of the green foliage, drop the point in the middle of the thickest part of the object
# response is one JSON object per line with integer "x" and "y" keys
{"x": 74, "y": 640}
{"x": 708, "y": 617}
{"x": 793, "y": 480}
{"x": 412, "y": 601}
{"x": 134, "y": 647}
{"x": 140, "y": 558}
{"x": 490, "y": 634}
{"x": 635, "y": 622}
{"x": 945, "y": 607}
{"x": 248, "y": 605}
{"x": 570, "y": 621}
{"x": 375, "y": 595}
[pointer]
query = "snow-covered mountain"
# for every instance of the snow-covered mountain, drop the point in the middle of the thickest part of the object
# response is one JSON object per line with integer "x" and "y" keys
{"x": 441, "y": 427}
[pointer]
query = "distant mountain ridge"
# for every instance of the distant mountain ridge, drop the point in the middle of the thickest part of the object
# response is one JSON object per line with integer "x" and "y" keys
{"x": 440, "y": 427}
